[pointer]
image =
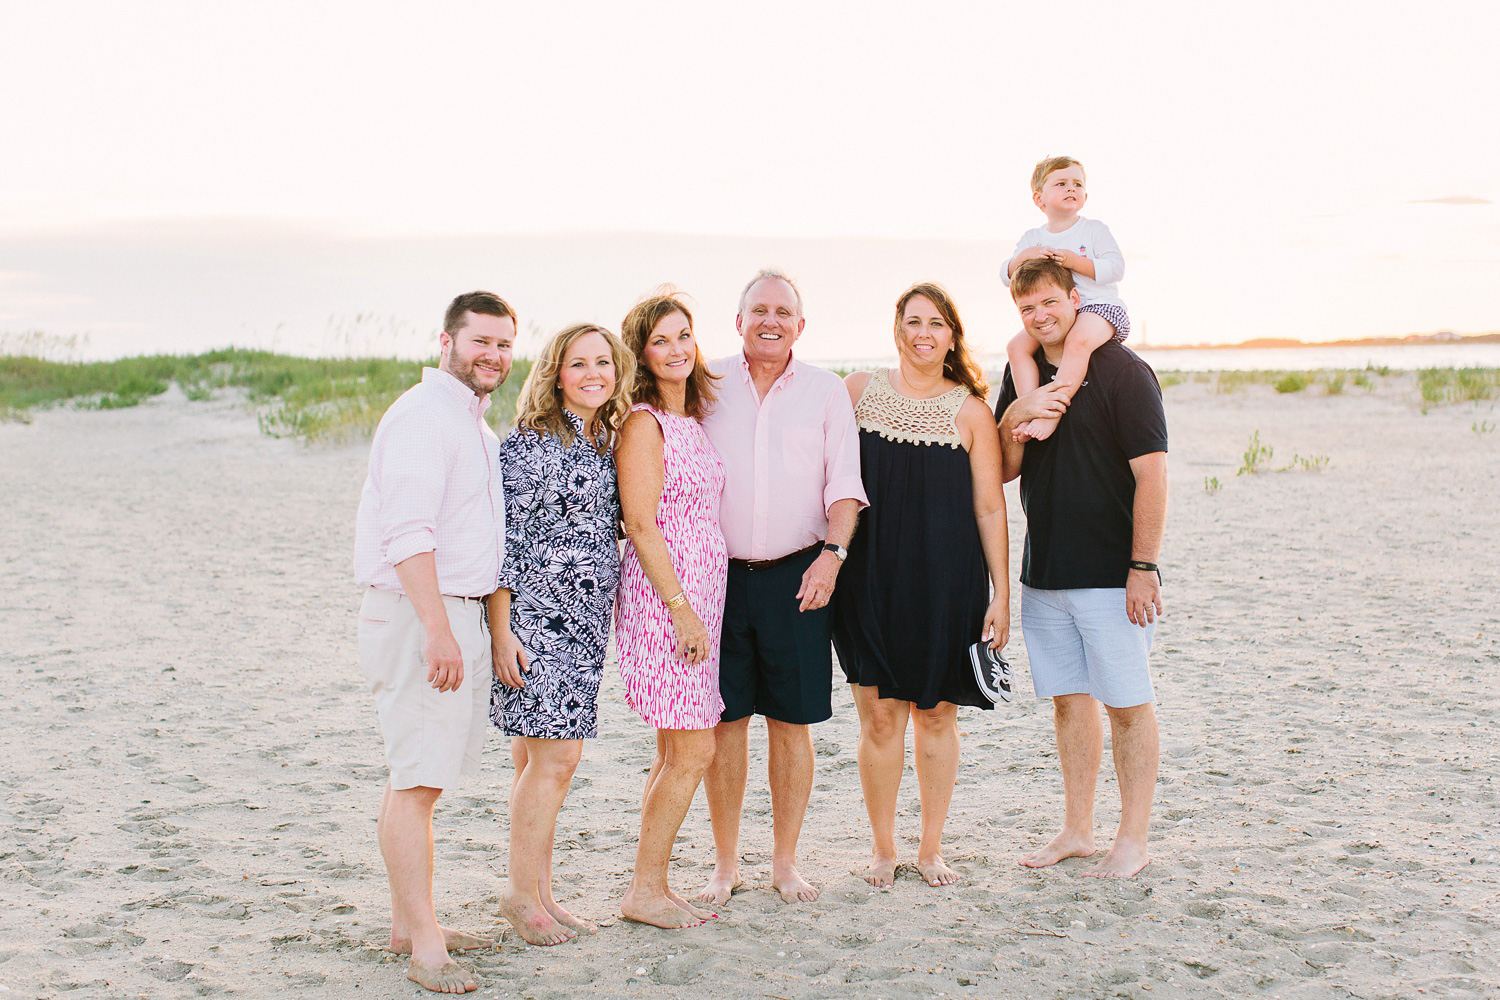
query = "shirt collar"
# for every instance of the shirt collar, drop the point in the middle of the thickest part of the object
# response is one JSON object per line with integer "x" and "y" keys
{"x": 459, "y": 392}
{"x": 791, "y": 366}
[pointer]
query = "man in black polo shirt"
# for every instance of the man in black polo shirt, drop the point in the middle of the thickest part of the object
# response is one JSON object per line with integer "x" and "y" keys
{"x": 1095, "y": 495}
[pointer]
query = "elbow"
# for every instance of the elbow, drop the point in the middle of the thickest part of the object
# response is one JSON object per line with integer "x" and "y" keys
{"x": 636, "y": 526}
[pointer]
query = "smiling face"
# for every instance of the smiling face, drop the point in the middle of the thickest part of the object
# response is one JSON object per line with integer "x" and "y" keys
{"x": 478, "y": 353}
{"x": 1048, "y": 312}
{"x": 1062, "y": 194}
{"x": 769, "y": 322}
{"x": 924, "y": 336}
{"x": 670, "y": 349}
{"x": 587, "y": 376}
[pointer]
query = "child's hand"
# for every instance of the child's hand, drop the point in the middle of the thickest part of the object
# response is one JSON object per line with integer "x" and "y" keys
{"x": 1034, "y": 253}
{"x": 1067, "y": 258}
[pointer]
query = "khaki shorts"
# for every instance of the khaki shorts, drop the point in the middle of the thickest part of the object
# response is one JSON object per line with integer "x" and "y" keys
{"x": 431, "y": 736}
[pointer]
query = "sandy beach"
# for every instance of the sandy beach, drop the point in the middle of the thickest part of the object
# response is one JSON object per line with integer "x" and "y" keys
{"x": 191, "y": 765}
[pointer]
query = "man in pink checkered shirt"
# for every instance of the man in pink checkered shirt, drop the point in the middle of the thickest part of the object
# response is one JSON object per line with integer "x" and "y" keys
{"x": 428, "y": 545}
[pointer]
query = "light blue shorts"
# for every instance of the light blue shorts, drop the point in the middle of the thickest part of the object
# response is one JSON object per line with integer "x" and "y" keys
{"x": 1081, "y": 642}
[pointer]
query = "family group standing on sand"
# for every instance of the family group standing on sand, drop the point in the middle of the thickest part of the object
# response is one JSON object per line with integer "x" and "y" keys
{"x": 772, "y": 512}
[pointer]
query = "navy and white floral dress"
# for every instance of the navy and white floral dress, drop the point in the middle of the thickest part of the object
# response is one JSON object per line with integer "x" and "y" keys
{"x": 562, "y": 567}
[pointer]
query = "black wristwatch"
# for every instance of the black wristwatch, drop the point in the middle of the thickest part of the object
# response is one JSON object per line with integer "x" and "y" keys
{"x": 838, "y": 550}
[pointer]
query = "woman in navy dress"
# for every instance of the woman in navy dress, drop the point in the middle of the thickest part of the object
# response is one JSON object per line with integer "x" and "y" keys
{"x": 927, "y": 573}
{"x": 550, "y": 616}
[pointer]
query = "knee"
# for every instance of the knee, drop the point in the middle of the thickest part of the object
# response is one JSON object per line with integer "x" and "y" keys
{"x": 934, "y": 724}
{"x": 555, "y": 768}
{"x": 884, "y": 728}
{"x": 693, "y": 752}
{"x": 1131, "y": 719}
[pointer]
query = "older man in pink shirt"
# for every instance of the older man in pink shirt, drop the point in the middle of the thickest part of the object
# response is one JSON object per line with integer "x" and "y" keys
{"x": 427, "y": 548}
{"x": 790, "y": 446}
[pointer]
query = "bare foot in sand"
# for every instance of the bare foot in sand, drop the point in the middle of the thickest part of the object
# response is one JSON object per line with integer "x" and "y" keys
{"x": 657, "y": 910}
{"x": 452, "y": 940}
{"x": 881, "y": 873}
{"x": 532, "y": 921}
{"x": 567, "y": 919}
{"x": 794, "y": 888}
{"x": 1123, "y": 860}
{"x": 720, "y": 887}
{"x": 1064, "y": 845}
{"x": 695, "y": 911}
{"x": 448, "y": 978}
{"x": 935, "y": 871}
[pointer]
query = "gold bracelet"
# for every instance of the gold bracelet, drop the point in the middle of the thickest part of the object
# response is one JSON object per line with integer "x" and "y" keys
{"x": 673, "y": 603}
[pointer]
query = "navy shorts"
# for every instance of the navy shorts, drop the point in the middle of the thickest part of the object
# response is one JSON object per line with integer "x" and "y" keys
{"x": 774, "y": 660}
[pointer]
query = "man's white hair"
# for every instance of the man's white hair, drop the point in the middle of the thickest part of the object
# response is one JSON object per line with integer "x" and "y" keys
{"x": 766, "y": 274}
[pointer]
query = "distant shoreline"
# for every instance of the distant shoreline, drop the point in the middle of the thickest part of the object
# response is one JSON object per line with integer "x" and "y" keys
{"x": 1441, "y": 338}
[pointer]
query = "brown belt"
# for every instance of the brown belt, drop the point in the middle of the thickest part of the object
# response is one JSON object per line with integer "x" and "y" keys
{"x": 755, "y": 565}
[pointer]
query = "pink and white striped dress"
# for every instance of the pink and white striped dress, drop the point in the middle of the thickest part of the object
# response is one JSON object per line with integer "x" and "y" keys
{"x": 668, "y": 692}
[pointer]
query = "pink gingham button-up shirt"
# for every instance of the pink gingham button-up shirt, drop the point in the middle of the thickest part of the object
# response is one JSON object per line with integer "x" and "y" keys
{"x": 788, "y": 457}
{"x": 433, "y": 486}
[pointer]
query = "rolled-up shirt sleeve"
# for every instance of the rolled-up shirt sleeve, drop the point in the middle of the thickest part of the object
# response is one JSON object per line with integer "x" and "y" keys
{"x": 841, "y": 472}
{"x": 413, "y": 470}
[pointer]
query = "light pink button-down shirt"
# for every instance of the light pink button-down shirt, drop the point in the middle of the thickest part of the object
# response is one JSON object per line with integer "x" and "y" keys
{"x": 434, "y": 486}
{"x": 789, "y": 457}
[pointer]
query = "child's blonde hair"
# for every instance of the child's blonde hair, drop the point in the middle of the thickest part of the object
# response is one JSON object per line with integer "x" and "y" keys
{"x": 1051, "y": 163}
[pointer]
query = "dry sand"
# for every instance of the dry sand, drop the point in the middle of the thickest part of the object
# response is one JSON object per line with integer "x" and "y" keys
{"x": 191, "y": 767}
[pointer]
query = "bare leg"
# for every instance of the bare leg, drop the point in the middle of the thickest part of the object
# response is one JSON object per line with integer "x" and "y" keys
{"x": 789, "y": 764}
{"x": 1134, "y": 740}
{"x": 1080, "y": 749}
{"x": 405, "y": 833}
{"x": 935, "y": 748}
{"x": 724, "y": 784}
{"x": 453, "y": 940}
{"x": 544, "y": 770}
{"x": 683, "y": 756}
{"x": 882, "y": 758}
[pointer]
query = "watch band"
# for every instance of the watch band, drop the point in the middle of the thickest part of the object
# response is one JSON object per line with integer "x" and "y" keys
{"x": 838, "y": 550}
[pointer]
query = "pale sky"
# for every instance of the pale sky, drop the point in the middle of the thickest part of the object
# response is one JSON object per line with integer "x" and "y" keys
{"x": 1272, "y": 169}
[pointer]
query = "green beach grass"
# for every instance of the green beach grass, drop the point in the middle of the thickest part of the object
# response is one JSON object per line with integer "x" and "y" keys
{"x": 339, "y": 399}
{"x": 315, "y": 399}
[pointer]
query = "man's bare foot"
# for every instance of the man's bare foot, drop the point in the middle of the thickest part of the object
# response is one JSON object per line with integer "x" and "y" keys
{"x": 881, "y": 873}
{"x": 567, "y": 919}
{"x": 696, "y": 911}
{"x": 656, "y": 910}
{"x": 1122, "y": 861}
{"x": 794, "y": 888}
{"x": 935, "y": 871}
{"x": 1064, "y": 845}
{"x": 447, "y": 978}
{"x": 452, "y": 940}
{"x": 720, "y": 887}
{"x": 532, "y": 921}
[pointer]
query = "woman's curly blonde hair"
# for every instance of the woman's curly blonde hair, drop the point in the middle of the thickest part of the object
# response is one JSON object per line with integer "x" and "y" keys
{"x": 540, "y": 406}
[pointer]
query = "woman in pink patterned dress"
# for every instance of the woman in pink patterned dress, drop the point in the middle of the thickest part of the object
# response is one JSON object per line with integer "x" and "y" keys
{"x": 672, "y": 577}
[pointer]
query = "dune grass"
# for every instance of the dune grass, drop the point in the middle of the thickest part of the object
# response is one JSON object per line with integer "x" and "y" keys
{"x": 1457, "y": 385}
{"x": 316, "y": 399}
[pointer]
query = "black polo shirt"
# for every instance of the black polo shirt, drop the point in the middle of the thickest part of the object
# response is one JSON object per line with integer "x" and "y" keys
{"x": 1076, "y": 487}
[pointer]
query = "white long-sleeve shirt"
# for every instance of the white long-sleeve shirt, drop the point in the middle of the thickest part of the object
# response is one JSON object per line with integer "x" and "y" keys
{"x": 434, "y": 486}
{"x": 1092, "y": 239}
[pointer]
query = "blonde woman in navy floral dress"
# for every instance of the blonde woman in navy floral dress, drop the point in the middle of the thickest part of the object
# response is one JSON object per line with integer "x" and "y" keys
{"x": 550, "y": 617}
